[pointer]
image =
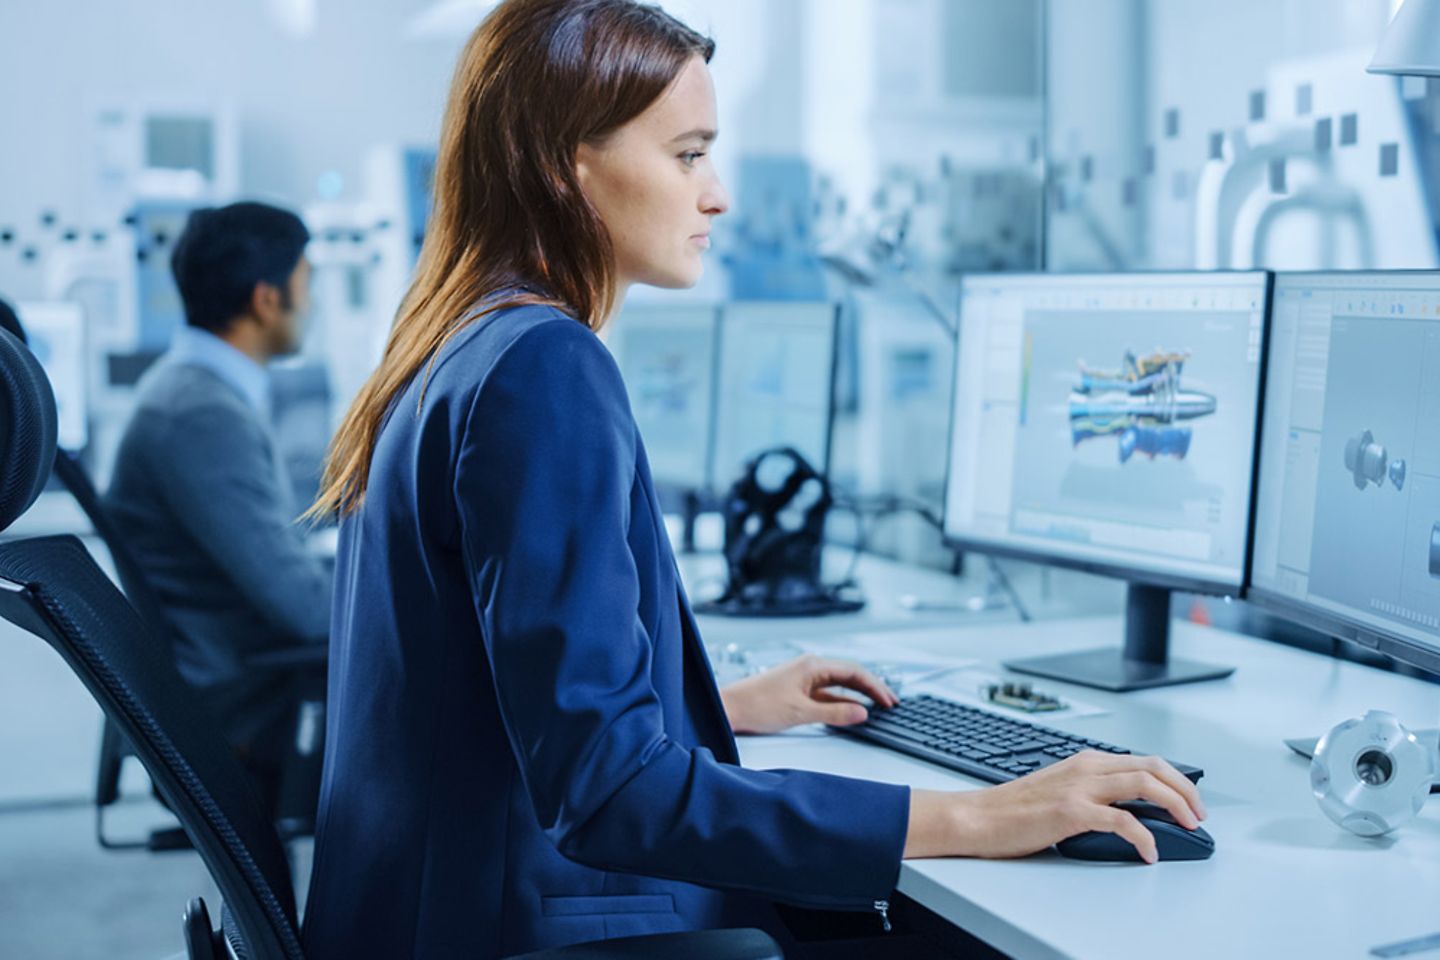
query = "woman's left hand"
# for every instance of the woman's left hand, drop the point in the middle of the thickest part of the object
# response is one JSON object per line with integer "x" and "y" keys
{"x": 795, "y": 693}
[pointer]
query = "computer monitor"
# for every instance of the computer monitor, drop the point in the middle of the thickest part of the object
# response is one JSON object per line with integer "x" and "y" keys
{"x": 1347, "y": 535}
{"x": 776, "y": 384}
{"x": 1108, "y": 423}
{"x": 666, "y": 354}
{"x": 55, "y": 331}
{"x": 907, "y": 360}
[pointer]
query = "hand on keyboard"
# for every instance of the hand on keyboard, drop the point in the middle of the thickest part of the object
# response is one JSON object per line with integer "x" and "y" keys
{"x": 797, "y": 692}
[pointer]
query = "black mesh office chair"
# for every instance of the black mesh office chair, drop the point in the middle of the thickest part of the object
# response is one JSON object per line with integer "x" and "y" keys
{"x": 52, "y": 588}
{"x": 301, "y": 775}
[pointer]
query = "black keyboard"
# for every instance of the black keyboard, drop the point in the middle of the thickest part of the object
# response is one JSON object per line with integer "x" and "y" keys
{"x": 976, "y": 742}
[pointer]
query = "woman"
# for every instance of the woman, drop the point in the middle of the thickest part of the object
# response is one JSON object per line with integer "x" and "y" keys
{"x": 526, "y": 745}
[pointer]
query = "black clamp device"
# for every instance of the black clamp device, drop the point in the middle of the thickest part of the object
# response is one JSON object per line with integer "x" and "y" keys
{"x": 774, "y": 534}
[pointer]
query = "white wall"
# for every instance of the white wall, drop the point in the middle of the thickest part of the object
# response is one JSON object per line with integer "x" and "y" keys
{"x": 304, "y": 105}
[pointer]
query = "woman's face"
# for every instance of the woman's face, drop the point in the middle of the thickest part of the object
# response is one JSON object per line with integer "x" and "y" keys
{"x": 654, "y": 187}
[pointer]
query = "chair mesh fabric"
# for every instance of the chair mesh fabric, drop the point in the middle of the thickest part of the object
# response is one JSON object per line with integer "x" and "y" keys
{"x": 69, "y": 472}
{"x": 27, "y": 429}
{"x": 11, "y": 324}
{"x": 239, "y": 949}
{"x": 172, "y": 730}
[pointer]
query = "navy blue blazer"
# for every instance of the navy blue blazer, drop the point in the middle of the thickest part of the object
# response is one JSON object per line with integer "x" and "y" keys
{"x": 526, "y": 747}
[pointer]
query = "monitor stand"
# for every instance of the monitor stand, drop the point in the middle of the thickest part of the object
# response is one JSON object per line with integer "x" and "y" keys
{"x": 1143, "y": 662}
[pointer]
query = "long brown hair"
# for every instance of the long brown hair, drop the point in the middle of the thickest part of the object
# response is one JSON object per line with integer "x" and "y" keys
{"x": 536, "y": 80}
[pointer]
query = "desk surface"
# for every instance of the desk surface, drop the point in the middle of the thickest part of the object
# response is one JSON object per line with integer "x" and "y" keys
{"x": 884, "y": 583}
{"x": 1284, "y": 880}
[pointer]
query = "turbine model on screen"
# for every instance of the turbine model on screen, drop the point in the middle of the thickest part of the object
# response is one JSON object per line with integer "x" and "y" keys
{"x": 1139, "y": 404}
{"x": 1435, "y": 551}
{"x": 1367, "y": 462}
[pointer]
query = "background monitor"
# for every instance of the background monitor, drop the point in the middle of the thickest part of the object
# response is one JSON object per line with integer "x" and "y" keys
{"x": 1108, "y": 422}
{"x": 666, "y": 353}
{"x": 56, "y": 334}
{"x": 776, "y": 384}
{"x": 1347, "y": 535}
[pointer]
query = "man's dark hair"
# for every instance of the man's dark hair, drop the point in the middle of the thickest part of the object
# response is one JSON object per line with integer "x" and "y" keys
{"x": 224, "y": 252}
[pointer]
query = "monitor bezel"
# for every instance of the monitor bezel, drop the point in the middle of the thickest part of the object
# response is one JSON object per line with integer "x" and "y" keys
{"x": 1136, "y": 573}
{"x": 1307, "y": 613}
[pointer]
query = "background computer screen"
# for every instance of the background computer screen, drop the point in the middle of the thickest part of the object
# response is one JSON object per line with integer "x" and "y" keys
{"x": 666, "y": 354}
{"x": 56, "y": 333}
{"x": 776, "y": 383}
{"x": 1348, "y": 505}
{"x": 1109, "y": 421}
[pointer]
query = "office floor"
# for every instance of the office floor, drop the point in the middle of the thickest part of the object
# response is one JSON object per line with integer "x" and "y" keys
{"x": 61, "y": 895}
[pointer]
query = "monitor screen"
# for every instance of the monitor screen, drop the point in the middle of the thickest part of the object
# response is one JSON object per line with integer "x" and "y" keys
{"x": 1108, "y": 422}
{"x": 1348, "y": 505}
{"x": 666, "y": 354}
{"x": 56, "y": 334}
{"x": 903, "y": 418}
{"x": 776, "y": 383}
{"x": 181, "y": 143}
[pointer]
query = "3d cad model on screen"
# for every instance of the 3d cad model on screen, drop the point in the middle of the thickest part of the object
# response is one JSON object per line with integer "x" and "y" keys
{"x": 1139, "y": 404}
{"x": 1367, "y": 462}
{"x": 1435, "y": 551}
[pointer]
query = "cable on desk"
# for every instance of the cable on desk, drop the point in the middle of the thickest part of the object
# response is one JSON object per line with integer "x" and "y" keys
{"x": 999, "y": 574}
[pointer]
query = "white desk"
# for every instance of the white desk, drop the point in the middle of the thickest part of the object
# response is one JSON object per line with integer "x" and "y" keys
{"x": 884, "y": 582}
{"x": 1284, "y": 880}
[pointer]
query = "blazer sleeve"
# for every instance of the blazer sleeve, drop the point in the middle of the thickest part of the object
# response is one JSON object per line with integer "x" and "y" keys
{"x": 544, "y": 480}
{"x": 223, "y": 488}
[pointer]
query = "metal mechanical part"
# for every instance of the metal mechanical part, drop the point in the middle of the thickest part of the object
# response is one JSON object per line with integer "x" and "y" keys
{"x": 1371, "y": 775}
{"x": 1365, "y": 459}
{"x": 1397, "y": 474}
{"x": 1368, "y": 462}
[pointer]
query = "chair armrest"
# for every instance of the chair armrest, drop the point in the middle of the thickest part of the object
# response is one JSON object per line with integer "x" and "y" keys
{"x": 740, "y": 944}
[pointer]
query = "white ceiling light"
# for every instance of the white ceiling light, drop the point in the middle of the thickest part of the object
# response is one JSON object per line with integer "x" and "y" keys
{"x": 1411, "y": 44}
{"x": 449, "y": 19}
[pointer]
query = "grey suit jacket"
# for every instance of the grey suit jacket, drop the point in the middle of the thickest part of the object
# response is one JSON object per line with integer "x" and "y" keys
{"x": 197, "y": 495}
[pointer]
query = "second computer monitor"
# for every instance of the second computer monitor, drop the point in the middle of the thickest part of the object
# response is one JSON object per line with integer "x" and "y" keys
{"x": 1347, "y": 534}
{"x": 56, "y": 333}
{"x": 776, "y": 383}
{"x": 666, "y": 354}
{"x": 1108, "y": 422}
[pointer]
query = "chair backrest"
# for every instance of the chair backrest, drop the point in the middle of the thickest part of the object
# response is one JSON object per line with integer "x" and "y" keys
{"x": 72, "y": 475}
{"x": 52, "y": 588}
{"x": 27, "y": 423}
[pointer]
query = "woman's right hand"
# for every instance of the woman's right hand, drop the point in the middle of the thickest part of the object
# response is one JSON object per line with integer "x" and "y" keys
{"x": 1029, "y": 814}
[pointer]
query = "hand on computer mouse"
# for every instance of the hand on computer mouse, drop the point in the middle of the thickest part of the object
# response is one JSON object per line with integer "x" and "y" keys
{"x": 796, "y": 692}
{"x": 1030, "y": 814}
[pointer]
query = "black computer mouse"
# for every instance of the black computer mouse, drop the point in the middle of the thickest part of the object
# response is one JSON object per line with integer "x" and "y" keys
{"x": 1172, "y": 841}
